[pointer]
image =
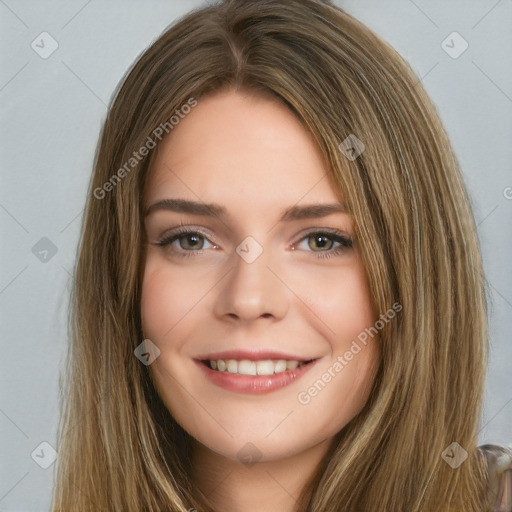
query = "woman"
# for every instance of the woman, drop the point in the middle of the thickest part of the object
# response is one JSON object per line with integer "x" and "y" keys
{"x": 217, "y": 362}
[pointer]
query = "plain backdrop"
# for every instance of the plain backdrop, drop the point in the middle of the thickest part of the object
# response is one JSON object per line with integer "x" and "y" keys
{"x": 52, "y": 110}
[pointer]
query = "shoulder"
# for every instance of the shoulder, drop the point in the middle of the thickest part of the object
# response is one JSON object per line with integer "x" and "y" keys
{"x": 499, "y": 464}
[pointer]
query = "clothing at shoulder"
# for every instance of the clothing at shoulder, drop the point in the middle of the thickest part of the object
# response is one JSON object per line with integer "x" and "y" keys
{"x": 499, "y": 459}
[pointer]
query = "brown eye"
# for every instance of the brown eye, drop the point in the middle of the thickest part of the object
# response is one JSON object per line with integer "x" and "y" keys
{"x": 321, "y": 241}
{"x": 189, "y": 242}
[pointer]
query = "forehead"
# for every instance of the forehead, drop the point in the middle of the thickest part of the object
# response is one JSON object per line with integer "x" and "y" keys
{"x": 236, "y": 146}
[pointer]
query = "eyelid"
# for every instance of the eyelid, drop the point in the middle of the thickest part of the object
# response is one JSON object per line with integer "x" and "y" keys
{"x": 325, "y": 231}
{"x": 184, "y": 229}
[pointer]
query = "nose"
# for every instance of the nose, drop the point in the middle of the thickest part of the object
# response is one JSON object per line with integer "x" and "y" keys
{"x": 252, "y": 290}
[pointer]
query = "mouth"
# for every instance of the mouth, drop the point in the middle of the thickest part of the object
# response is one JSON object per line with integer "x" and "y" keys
{"x": 254, "y": 377}
{"x": 254, "y": 368}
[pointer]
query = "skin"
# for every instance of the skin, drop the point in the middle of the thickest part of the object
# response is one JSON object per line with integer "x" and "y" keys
{"x": 250, "y": 154}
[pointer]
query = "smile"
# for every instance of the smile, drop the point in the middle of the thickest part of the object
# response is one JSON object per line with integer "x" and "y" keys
{"x": 246, "y": 367}
{"x": 254, "y": 377}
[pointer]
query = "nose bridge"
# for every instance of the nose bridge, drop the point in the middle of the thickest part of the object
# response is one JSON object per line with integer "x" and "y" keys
{"x": 251, "y": 289}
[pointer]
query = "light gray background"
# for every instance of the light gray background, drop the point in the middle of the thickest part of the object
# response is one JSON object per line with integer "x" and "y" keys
{"x": 52, "y": 110}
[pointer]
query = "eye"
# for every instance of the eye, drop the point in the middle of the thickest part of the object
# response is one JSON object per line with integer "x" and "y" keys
{"x": 325, "y": 240}
{"x": 189, "y": 241}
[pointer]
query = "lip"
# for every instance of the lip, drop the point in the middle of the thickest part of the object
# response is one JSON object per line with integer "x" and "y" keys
{"x": 254, "y": 384}
{"x": 253, "y": 355}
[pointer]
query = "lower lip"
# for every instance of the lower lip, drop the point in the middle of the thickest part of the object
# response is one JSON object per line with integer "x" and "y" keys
{"x": 254, "y": 384}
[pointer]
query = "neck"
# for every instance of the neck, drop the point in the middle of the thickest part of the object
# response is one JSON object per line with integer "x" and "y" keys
{"x": 266, "y": 486}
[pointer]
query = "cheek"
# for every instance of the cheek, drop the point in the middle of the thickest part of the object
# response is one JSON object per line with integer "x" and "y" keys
{"x": 339, "y": 386}
{"x": 161, "y": 303}
{"x": 352, "y": 315}
{"x": 341, "y": 303}
{"x": 349, "y": 308}
{"x": 150, "y": 303}
{"x": 339, "y": 390}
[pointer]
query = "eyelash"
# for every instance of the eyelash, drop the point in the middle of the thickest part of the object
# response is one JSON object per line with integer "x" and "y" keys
{"x": 334, "y": 235}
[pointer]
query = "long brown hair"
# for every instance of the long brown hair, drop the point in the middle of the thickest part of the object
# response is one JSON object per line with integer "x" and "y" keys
{"x": 119, "y": 447}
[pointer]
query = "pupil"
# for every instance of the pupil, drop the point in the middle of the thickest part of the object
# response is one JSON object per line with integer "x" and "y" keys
{"x": 317, "y": 238}
{"x": 192, "y": 237}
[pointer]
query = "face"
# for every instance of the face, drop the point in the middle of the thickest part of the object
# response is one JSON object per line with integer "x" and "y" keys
{"x": 262, "y": 283}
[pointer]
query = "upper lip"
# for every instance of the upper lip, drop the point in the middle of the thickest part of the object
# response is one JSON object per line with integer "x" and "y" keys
{"x": 253, "y": 355}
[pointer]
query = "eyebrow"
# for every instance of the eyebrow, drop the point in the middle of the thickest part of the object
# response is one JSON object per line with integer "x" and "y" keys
{"x": 291, "y": 213}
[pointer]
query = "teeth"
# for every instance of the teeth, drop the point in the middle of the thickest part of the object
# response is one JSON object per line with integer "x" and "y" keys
{"x": 232, "y": 366}
{"x": 291, "y": 365}
{"x": 280, "y": 366}
{"x": 265, "y": 367}
{"x": 246, "y": 367}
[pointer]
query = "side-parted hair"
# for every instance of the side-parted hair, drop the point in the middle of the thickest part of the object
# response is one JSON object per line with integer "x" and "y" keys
{"x": 119, "y": 448}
